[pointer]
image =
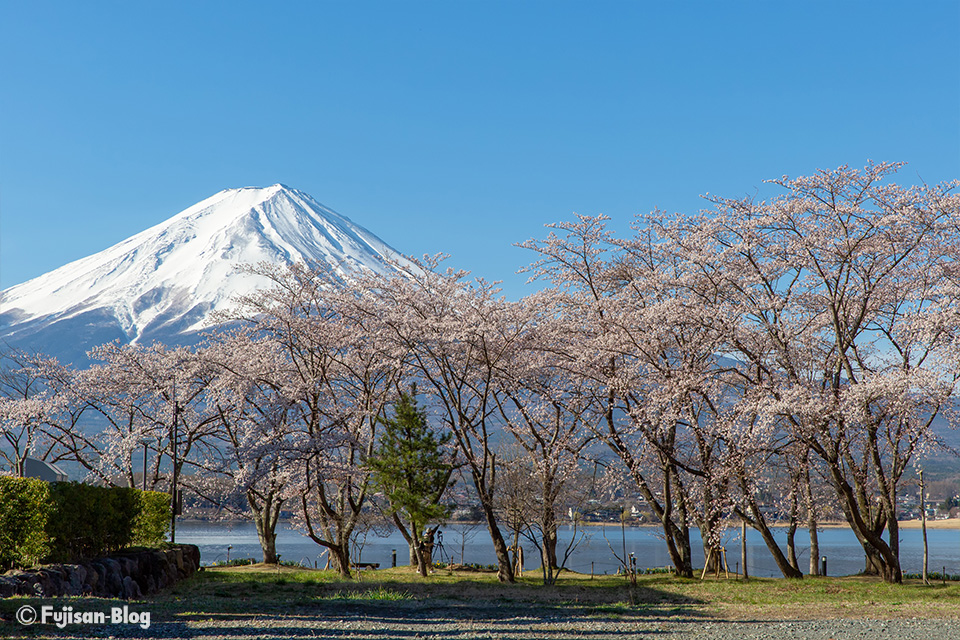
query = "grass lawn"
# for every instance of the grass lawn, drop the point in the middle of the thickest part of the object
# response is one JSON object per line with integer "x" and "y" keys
{"x": 226, "y": 589}
{"x": 766, "y": 597}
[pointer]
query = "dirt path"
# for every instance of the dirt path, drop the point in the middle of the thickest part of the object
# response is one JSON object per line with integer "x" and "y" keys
{"x": 459, "y": 620}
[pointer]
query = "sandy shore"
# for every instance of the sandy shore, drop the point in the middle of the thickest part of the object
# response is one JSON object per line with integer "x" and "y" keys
{"x": 951, "y": 523}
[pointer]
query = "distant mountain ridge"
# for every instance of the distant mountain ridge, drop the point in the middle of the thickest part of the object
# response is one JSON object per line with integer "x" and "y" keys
{"x": 163, "y": 283}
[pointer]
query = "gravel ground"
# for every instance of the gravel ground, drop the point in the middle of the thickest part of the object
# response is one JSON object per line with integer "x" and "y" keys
{"x": 411, "y": 620}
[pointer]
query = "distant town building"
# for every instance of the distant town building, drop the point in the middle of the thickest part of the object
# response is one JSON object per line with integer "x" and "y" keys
{"x": 33, "y": 468}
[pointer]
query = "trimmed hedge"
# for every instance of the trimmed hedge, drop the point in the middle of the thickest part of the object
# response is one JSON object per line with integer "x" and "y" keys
{"x": 67, "y": 521}
{"x": 153, "y": 520}
{"x": 25, "y": 506}
{"x": 89, "y": 521}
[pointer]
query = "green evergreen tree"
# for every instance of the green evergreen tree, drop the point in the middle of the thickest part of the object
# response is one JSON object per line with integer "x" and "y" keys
{"x": 412, "y": 469}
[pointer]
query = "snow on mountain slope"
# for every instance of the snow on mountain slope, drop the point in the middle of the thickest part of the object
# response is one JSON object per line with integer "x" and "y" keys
{"x": 166, "y": 280}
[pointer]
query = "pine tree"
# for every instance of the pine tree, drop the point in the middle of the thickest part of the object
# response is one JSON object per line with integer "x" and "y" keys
{"x": 412, "y": 469}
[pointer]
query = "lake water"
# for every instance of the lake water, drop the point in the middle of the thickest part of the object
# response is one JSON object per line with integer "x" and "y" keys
{"x": 471, "y": 544}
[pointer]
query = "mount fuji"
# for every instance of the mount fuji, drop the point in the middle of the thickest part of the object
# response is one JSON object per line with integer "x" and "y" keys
{"x": 163, "y": 283}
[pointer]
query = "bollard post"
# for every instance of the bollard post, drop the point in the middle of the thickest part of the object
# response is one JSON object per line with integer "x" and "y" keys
{"x": 823, "y": 566}
{"x": 393, "y": 558}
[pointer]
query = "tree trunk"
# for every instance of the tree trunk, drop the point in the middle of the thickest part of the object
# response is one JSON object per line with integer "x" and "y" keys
{"x": 550, "y": 572}
{"x": 550, "y": 549}
{"x": 266, "y": 514}
{"x": 814, "y": 546}
{"x": 421, "y": 560}
{"x": 549, "y": 526}
{"x": 268, "y": 542}
{"x": 339, "y": 560}
{"x": 421, "y": 550}
{"x": 759, "y": 523}
{"x": 792, "y": 526}
{"x": 812, "y": 526}
{"x": 676, "y": 536}
{"x": 893, "y": 527}
{"x": 879, "y": 558}
{"x": 678, "y": 546}
{"x": 504, "y": 566}
{"x": 792, "y": 545}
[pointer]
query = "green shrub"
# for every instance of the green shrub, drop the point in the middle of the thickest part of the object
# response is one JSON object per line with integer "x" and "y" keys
{"x": 24, "y": 510}
{"x": 236, "y": 562}
{"x": 88, "y": 521}
{"x": 68, "y": 521}
{"x": 153, "y": 519}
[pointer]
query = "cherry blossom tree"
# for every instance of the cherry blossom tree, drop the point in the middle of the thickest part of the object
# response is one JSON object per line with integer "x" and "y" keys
{"x": 544, "y": 409}
{"x": 453, "y": 336}
{"x": 140, "y": 396}
{"x": 651, "y": 372}
{"x": 836, "y": 298}
{"x": 27, "y": 407}
{"x": 339, "y": 382}
{"x": 251, "y": 433}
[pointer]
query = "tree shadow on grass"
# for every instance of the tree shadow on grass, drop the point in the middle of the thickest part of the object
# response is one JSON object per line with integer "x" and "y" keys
{"x": 278, "y": 606}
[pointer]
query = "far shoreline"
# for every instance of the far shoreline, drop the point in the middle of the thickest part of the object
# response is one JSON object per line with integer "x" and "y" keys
{"x": 948, "y": 523}
{"x": 943, "y": 523}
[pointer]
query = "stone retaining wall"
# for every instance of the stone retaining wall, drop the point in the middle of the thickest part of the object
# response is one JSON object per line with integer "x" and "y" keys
{"x": 126, "y": 575}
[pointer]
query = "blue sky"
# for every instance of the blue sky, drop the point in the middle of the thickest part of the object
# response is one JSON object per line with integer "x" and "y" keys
{"x": 458, "y": 126}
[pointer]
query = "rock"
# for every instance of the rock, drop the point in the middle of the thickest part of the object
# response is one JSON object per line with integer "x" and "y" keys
{"x": 76, "y": 576}
{"x": 114, "y": 578}
{"x": 129, "y": 575}
{"x": 97, "y": 578}
{"x": 131, "y": 589}
{"x": 8, "y": 586}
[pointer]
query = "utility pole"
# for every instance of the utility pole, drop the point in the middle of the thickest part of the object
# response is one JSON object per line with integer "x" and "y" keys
{"x": 174, "y": 501}
{"x": 923, "y": 525}
{"x": 144, "y": 443}
{"x": 743, "y": 547}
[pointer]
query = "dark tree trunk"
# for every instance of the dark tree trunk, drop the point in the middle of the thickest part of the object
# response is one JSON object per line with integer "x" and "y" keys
{"x": 868, "y": 526}
{"x": 500, "y": 548}
{"x": 268, "y": 543}
{"x": 266, "y": 514}
{"x": 550, "y": 538}
{"x": 792, "y": 545}
{"x": 758, "y": 522}
{"x": 678, "y": 546}
{"x": 504, "y": 566}
{"x": 340, "y": 559}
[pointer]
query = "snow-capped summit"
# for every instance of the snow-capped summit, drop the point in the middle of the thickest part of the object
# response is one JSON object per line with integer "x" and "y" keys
{"x": 166, "y": 281}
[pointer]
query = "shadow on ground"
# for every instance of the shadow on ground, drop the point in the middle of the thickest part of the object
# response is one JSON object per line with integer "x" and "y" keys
{"x": 226, "y": 605}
